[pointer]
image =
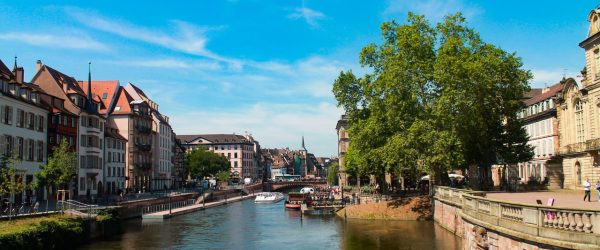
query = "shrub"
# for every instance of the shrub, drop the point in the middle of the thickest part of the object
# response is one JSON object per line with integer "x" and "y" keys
{"x": 53, "y": 233}
{"x": 367, "y": 189}
{"x": 347, "y": 188}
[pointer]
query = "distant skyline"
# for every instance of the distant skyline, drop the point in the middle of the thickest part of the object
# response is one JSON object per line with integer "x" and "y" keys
{"x": 265, "y": 67}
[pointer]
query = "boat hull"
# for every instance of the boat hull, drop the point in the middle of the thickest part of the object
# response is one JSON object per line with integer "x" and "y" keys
{"x": 293, "y": 206}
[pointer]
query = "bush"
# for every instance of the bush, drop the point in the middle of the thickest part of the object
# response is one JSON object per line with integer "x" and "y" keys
{"x": 61, "y": 233}
{"x": 110, "y": 223}
{"x": 347, "y": 188}
{"x": 367, "y": 189}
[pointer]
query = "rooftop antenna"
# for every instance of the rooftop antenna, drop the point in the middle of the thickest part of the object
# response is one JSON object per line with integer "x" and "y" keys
{"x": 564, "y": 73}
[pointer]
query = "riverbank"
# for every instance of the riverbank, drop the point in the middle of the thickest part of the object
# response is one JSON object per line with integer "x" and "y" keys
{"x": 410, "y": 208}
{"x": 193, "y": 208}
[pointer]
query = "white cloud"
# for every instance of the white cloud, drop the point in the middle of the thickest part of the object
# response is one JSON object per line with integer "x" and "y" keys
{"x": 53, "y": 41}
{"x": 309, "y": 15}
{"x": 184, "y": 37}
{"x": 170, "y": 63}
{"x": 434, "y": 10}
{"x": 273, "y": 124}
{"x": 548, "y": 77}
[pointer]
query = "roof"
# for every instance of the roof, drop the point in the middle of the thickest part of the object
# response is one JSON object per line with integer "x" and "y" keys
{"x": 531, "y": 93}
{"x": 214, "y": 138}
{"x": 5, "y": 73}
{"x": 113, "y": 133}
{"x": 102, "y": 92}
{"x": 545, "y": 94}
{"x": 122, "y": 101}
{"x": 54, "y": 86}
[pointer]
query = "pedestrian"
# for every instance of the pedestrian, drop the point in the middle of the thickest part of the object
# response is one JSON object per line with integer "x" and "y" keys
{"x": 598, "y": 189}
{"x": 586, "y": 189}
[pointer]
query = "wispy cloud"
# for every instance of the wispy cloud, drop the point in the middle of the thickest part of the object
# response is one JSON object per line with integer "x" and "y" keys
{"x": 169, "y": 63}
{"x": 309, "y": 15}
{"x": 54, "y": 41}
{"x": 434, "y": 10}
{"x": 273, "y": 124}
{"x": 548, "y": 77}
{"x": 183, "y": 36}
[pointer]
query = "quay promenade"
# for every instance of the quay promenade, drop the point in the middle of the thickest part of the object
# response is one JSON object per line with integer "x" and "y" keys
{"x": 165, "y": 214}
{"x": 515, "y": 221}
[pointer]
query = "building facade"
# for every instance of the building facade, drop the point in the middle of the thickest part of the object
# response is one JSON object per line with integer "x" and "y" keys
{"x": 114, "y": 154}
{"x": 23, "y": 129}
{"x": 578, "y": 110}
{"x": 179, "y": 174}
{"x": 541, "y": 123}
{"x": 90, "y": 126}
{"x": 240, "y": 150}
{"x": 343, "y": 143}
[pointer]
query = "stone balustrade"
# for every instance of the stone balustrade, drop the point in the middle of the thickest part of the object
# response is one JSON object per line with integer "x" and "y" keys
{"x": 549, "y": 226}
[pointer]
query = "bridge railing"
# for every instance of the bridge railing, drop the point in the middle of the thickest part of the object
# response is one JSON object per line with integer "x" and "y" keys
{"x": 562, "y": 227}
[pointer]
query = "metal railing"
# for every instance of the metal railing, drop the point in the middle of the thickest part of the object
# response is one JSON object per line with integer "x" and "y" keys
{"x": 78, "y": 208}
{"x": 11, "y": 210}
{"x": 167, "y": 206}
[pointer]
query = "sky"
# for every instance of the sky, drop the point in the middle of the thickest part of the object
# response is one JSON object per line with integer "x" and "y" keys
{"x": 264, "y": 67}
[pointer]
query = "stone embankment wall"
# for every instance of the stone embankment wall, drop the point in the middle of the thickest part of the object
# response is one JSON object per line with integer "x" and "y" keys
{"x": 411, "y": 208}
{"x": 491, "y": 224}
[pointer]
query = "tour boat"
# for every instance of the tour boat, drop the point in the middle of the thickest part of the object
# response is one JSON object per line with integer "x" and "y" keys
{"x": 295, "y": 200}
{"x": 268, "y": 197}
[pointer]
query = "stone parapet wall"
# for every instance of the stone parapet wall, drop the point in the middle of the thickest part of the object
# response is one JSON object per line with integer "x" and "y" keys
{"x": 484, "y": 223}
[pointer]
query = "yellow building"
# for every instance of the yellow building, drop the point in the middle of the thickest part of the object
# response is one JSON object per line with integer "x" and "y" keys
{"x": 579, "y": 115}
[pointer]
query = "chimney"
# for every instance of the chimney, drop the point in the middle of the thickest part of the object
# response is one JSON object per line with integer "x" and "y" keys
{"x": 38, "y": 65}
{"x": 20, "y": 74}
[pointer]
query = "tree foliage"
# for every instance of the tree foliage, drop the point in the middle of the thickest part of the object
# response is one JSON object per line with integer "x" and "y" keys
{"x": 203, "y": 163}
{"x": 11, "y": 181}
{"x": 332, "y": 173}
{"x": 223, "y": 176}
{"x": 437, "y": 98}
{"x": 61, "y": 168}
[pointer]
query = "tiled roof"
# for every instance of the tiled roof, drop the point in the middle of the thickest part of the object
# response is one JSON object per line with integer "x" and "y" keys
{"x": 54, "y": 87}
{"x": 73, "y": 86}
{"x": 214, "y": 138}
{"x": 550, "y": 92}
{"x": 5, "y": 73}
{"x": 531, "y": 93}
{"x": 113, "y": 133}
{"x": 122, "y": 101}
{"x": 101, "y": 89}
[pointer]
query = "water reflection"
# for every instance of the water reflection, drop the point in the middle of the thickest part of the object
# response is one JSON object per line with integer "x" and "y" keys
{"x": 245, "y": 225}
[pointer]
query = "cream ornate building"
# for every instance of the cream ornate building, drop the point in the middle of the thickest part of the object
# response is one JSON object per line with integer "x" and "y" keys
{"x": 579, "y": 114}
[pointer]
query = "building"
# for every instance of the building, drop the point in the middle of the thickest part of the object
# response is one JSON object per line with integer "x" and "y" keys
{"x": 23, "y": 128}
{"x": 90, "y": 128}
{"x": 343, "y": 143}
{"x": 162, "y": 141}
{"x": 279, "y": 161}
{"x": 114, "y": 154}
{"x": 541, "y": 124}
{"x": 179, "y": 175}
{"x": 239, "y": 149}
{"x": 577, "y": 108}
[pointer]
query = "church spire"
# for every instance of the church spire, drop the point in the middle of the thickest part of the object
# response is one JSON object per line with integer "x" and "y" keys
{"x": 303, "y": 143}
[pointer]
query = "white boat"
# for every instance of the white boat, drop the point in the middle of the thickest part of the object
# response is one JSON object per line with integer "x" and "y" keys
{"x": 268, "y": 197}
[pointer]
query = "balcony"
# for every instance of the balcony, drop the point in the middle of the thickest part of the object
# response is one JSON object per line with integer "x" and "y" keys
{"x": 143, "y": 166}
{"x": 143, "y": 129}
{"x": 143, "y": 147}
{"x": 589, "y": 145}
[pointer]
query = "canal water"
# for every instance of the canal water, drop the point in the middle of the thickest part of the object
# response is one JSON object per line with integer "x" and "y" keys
{"x": 245, "y": 225}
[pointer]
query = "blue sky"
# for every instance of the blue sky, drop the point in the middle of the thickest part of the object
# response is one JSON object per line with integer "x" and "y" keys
{"x": 265, "y": 67}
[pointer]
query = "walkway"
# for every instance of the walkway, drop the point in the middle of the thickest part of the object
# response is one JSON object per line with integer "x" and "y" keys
{"x": 562, "y": 198}
{"x": 188, "y": 209}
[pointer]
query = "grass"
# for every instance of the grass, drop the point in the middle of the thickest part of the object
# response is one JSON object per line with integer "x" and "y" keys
{"x": 24, "y": 224}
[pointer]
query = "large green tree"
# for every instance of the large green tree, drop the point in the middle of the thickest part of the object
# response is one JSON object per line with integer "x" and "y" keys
{"x": 60, "y": 170}
{"x": 332, "y": 173}
{"x": 437, "y": 98}
{"x": 203, "y": 163}
{"x": 11, "y": 181}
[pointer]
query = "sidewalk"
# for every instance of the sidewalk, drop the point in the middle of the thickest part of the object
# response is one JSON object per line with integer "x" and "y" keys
{"x": 188, "y": 209}
{"x": 562, "y": 198}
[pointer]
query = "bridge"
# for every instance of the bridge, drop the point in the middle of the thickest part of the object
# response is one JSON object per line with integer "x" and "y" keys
{"x": 276, "y": 186}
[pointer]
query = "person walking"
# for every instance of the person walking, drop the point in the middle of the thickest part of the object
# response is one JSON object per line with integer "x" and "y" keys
{"x": 586, "y": 189}
{"x": 598, "y": 189}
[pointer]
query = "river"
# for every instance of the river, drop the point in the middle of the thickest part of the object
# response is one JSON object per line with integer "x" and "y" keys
{"x": 245, "y": 225}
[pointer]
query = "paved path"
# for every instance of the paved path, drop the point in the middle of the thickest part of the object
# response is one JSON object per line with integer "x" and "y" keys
{"x": 562, "y": 198}
{"x": 188, "y": 209}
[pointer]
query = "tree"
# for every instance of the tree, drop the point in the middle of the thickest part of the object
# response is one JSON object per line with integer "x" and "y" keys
{"x": 223, "y": 176}
{"x": 332, "y": 173}
{"x": 10, "y": 181}
{"x": 437, "y": 98}
{"x": 202, "y": 163}
{"x": 60, "y": 170}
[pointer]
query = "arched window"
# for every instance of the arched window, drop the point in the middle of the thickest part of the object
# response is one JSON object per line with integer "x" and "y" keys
{"x": 579, "y": 121}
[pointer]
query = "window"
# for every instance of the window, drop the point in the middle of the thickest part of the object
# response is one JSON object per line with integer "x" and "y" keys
{"x": 6, "y": 145}
{"x": 82, "y": 183}
{"x": 40, "y": 151}
{"x": 73, "y": 121}
{"x": 40, "y": 124}
{"x": 30, "y": 121}
{"x": 30, "y": 149}
{"x": 20, "y": 118}
{"x": 235, "y": 155}
{"x": 82, "y": 121}
{"x": 579, "y": 121}
{"x": 117, "y": 108}
{"x": 104, "y": 95}
{"x": 597, "y": 62}
{"x": 20, "y": 148}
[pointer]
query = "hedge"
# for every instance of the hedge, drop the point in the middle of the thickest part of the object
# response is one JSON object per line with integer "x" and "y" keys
{"x": 54, "y": 233}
